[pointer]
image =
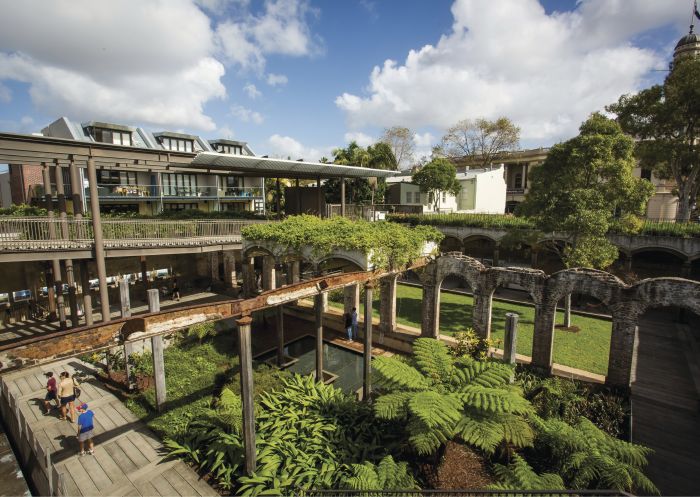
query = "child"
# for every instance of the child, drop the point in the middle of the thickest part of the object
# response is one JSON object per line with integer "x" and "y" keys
{"x": 85, "y": 429}
{"x": 51, "y": 393}
{"x": 348, "y": 325}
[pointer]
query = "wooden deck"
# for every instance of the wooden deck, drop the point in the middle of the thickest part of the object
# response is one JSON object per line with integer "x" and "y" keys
{"x": 128, "y": 457}
{"x": 666, "y": 403}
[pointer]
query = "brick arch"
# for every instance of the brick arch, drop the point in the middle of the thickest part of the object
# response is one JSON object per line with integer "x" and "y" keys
{"x": 665, "y": 292}
{"x": 666, "y": 250}
{"x": 257, "y": 251}
{"x": 599, "y": 284}
{"x": 459, "y": 265}
{"x": 332, "y": 256}
{"x": 531, "y": 279}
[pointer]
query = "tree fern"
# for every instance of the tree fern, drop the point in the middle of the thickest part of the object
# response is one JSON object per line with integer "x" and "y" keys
{"x": 387, "y": 475}
{"x": 397, "y": 374}
{"x": 433, "y": 360}
{"x": 518, "y": 475}
{"x": 434, "y": 409}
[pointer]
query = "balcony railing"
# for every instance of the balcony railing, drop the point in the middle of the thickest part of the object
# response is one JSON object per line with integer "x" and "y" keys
{"x": 149, "y": 192}
{"x": 44, "y": 233}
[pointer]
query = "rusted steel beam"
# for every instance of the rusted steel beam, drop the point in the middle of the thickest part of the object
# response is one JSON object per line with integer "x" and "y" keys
{"x": 67, "y": 343}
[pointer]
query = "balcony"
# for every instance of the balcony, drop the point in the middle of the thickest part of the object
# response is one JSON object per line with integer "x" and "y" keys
{"x": 152, "y": 192}
{"x": 240, "y": 192}
{"x": 515, "y": 191}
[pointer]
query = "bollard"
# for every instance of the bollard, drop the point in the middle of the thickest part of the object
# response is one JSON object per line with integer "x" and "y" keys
{"x": 124, "y": 298}
{"x": 511, "y": 337}
{"x": 153, "y": 300}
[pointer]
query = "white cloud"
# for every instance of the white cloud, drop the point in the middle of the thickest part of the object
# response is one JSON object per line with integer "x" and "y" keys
{"x": 124, "y": 61}
{"x": 371, "y": 8}
{"x": 246, "y": 115}
{"x": 362, "y": 139}
{"x": 281, "y": 29}
{"x": 423, "y": 140}
{"x": 546, "y": 72}
{"x": 252, "y": 91}
{"x": 5, "y": 94}
{"x": 286, "y": 146}
{"x": 276, "y": 79}
{"x": 225, "y": 132}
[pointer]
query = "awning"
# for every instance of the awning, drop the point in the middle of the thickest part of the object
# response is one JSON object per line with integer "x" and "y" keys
{"x": 280, "y": 168}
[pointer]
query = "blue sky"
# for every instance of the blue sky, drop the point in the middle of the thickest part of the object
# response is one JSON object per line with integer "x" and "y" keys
{"x": 300, "y": 77}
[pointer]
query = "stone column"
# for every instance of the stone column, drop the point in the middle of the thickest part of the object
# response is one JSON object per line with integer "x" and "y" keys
{"x": 351, "y": 297}
{"x": 387, "y": 304}
{"x": 65, "y": 235}
{"x": 245, "y": 355}
{"x": 124, "y": 299}
{"x": 50, "y": 289}
{"x": 318, "y": 309}
{"x": 543, "y": 339}
{"x": 87, "y": 298}
{"x": 367, "y": 346}
{"x": 622, "y": 363}
{"x": 230, "y": 276}
{"x": 481, "y": 317}
{"x": 567, "y": 311}
{"x": 214, "y": 267}
{"x": 268, "y": 273}
{"x": 144, "y": 273}
{"x": 159, "y": 371}
{"x": 430, "y": 311}
{"x": 496, "y": 254}
{"x": 296, "y": 271}
{"x": 248, "y": 270}
{"x": 128, "y": 350}
{"x": 280, "y": 335}
{"x": 153, "y": 300}
{"x": 511, "y": 338}
{"x": 99, "y": 242}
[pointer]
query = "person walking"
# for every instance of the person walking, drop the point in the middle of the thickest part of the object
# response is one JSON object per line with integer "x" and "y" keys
{"x": 66, "y": 393}
{"x": 51, "y": 393}
{"x": 176, "y": 290}
{"x": 348, "y": 325}
{"x": 85, "y": 429}
{"x": 354, "y": 322}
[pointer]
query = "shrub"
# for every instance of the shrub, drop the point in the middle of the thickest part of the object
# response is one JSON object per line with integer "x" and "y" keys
{"x": 469, "y": 344}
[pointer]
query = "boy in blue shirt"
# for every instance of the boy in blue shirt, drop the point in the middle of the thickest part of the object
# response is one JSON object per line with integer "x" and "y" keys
{"x": 85, "y": 429}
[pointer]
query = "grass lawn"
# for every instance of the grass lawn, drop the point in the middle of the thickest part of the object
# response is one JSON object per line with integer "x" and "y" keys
{"x": 588, "y": 349}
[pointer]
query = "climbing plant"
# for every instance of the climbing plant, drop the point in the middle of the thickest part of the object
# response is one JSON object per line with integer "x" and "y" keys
{"x": 389, "y": 245}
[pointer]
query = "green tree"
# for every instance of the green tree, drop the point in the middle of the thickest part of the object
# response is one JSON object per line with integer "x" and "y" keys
{"x": 480, "y": 141}
{"x": 666, "y": 121}
{"x": 580, "y": 188}
{"x": 438, "y": 175}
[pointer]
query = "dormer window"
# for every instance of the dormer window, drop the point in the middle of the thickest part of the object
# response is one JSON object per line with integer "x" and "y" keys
{"x": 104, "y": 135}
{"x": 223, "y": 148}
{"x": 177, "y": 144}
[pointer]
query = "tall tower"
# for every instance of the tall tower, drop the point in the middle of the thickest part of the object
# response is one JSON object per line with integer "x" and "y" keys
{"x": 689, "y": 45}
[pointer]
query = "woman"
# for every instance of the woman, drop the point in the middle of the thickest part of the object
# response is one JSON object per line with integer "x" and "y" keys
{"x": 66, "y": 393}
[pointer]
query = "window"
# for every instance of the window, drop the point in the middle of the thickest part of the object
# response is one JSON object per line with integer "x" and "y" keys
{"x": 179, "y": 185}
{"x": 112, "y": 136}
{"x": 177, "y": 144}
{"x": 229, "y": 149}
{"x": 518, "y": 182}
{"x": 646, "y": 174}
{"x": 444, "y": 196}
{"x": 180, "y": 207}
{"x": 110, "y": 177}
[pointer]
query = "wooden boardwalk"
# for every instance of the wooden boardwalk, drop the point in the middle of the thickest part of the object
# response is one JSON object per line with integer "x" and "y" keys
{"x": 666, "y": 402}
{"x": 128, "y": 457}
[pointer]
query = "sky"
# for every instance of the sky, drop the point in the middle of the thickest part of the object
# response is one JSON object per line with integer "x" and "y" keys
{"x": 299, "y": 78}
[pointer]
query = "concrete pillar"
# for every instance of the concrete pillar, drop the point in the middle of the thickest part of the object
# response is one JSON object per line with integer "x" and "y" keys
{"x": 99, "y": 242}
{"x": 543, "y": 339}
{"x": 296, "y": 271}
{"x": 430, "y": 311}
{"x": 280, "y": 335}
{"x": 628, "y": 263}
{"x": 153, "y": 300}
{"x": 55, "y": 263}
{"x": 511, "y": 338}
{"x": 567, "y": 311}
{"x": 50, "y": 290}
{"x": 87, "y": 298}
{"x": 289, "y": 273}
{"x": 622, "y": 362}
{"x": 324, "y": 301}
{"x": 318, "y": 309}
{"x": 351, "y": 297}
{"x": 159, "y": 371}
{"x": 128, "y": 350}
{"x": 268, "y": 275}
{"x": 481, "y": 313}
{"x": 367, "y": 346}
{"x": 214, "y": 266}
{"x": 496, "y": 255}
{"x": 249, "y": 283}
{"x": 124, "y": 299}
{"x": 144, "y": 273}
{"x": 342, "y": 197}
{"x": 230, "y": 276}
{"x": 68, "y": 263}
{"x": 387, "y": 304}
{"x": 245, "y": 355}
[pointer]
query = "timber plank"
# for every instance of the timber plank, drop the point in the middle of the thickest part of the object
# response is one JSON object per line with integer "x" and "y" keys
{"x": 181, "y": 486}
{"x": 162, "y": 486}
{"x": 109, "y": 465}
{"x": 120, "y": 457}
{"x": 132, "y": 452}
{"x": 143, "y": 446}
{"x": 81, "y": 477}
{"x": 99, "y": 476}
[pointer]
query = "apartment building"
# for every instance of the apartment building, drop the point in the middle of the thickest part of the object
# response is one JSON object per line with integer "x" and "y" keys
{"x": 125, "y": 189}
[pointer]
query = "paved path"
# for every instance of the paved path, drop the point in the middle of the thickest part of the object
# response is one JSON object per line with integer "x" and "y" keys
{"x": 12, "y": 482}
{"x": 127, "y": 458}
{"x": 666, "y": 403}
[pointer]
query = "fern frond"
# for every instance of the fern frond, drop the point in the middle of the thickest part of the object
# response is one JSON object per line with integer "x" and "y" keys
{"x": 425, "y": 440}
{"x": 481, "y": 433}
{"x": 394, "y": 374}
{"x": 484, "y": 373}
{"x": 493, "y": 399}
{"x": 435, "y": 409}
{"x": 392, "y": 405}
{"x": 433, "y": 359}
{"x": 518, "y": 475}
{"x": 516, "y": 430}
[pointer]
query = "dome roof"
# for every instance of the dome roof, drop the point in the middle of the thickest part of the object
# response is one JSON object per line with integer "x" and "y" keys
{"x": 689, "y": 39}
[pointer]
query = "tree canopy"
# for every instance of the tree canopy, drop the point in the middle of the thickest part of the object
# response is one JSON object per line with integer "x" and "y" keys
{"x": 480, "y": 141}
{"x": 666, "y": 121}
{"x": 580, "y": 188}
{"x": 439, "y": 175}
{"x": 400, "y": 141}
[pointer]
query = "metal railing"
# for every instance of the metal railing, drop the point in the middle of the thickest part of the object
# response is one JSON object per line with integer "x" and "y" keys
{"x": 148, "y": 192}
{"x": 464, "y": 493}
{"x": 45, "y": 233}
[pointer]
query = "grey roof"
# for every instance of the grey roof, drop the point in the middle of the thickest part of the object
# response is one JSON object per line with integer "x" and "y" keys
{"x": 262, "y": 166}
{"x": 689, "y": 39}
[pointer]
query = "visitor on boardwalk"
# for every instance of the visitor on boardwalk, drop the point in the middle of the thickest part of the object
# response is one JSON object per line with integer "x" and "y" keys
{"x": 354, "y": 322}
{"x": 176, "y": 290}
{"x": 66, "y": 392}
{"x": 348, "y": 325}
{"x": 51, "y": 393}
{"x": 85, "y": 429}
